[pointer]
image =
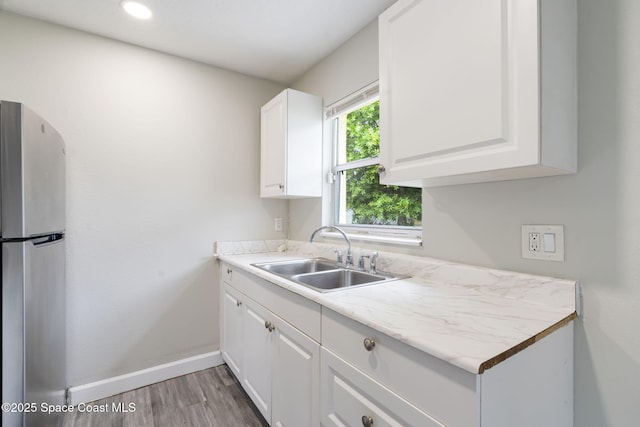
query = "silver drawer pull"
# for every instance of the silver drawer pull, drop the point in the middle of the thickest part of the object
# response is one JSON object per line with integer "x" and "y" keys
{"x": 367, "y": 421}
{"x": 369, "y": 343}
{"x": 238, "y": 303}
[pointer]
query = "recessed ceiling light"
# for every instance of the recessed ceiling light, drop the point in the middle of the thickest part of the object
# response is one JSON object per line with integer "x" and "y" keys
{"x": 135, "y": 9}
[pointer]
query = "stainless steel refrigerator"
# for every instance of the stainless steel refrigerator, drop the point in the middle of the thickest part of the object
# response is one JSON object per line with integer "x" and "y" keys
{"x": 32, "y": 227}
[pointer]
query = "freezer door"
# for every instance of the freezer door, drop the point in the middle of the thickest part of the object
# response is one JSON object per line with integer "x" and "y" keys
{"x": 34, "y": 324}
{"x": 32, "y": 173}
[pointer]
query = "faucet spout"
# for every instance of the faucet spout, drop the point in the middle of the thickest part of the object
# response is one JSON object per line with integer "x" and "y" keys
{"x": 349, "y": 260}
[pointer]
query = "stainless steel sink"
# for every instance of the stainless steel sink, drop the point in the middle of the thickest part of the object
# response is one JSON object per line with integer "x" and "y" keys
{"x": 335, "y": 279}
{"x": 323, "y": 275}
{"x": 299, "y": 266}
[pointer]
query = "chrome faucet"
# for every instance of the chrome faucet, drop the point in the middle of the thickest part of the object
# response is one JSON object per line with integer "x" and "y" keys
{"x": 349, "y": 261}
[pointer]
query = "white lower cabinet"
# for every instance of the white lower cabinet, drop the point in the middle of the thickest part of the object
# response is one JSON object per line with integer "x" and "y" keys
{"x": 444, "y": 394}
{"x": 282, "y": 369}
{"x": 296, "y": 378}
{"x": 368, "y": 374}
{"x": 277, "y": 365}
{"x": 258, "y": 350}
{"x": 361, "y": 377}
{"x": 352, "y": 399}
{"x": 232, "y": 330}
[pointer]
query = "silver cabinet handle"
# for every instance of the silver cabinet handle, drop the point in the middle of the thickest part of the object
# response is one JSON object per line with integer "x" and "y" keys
{"x": 367, "y": 421}
{"x": 229, "y": 271}
{"x": 381, "y": 169}
{"x": 238, "y": 303}
{"x": 281, "y": 186}
{"x": 269, "y": 325}
{"x": 369, "y": 343}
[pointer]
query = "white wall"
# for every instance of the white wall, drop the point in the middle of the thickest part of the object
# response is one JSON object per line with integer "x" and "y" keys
{"x": 599, "y": 206}
{"x": 162, "y": 160}
{"x": 349, "y": 68}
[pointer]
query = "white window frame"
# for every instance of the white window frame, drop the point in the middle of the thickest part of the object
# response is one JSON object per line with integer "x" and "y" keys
{"x": 399, "y": 235}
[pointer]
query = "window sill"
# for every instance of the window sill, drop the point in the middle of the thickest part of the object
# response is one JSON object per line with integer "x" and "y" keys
{"x": 375, "y": 238}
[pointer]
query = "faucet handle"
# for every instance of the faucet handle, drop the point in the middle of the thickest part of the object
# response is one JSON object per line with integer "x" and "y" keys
{"x": 338, "y": 256}
{"x": 372, "y": 262}
{"x": 361, "y": 261}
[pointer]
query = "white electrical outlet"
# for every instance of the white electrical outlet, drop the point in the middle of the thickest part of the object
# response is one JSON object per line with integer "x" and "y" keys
{"x": 534, "y": 242}
{"x": 543, "y": 242}
{"x": 278, "y": 224}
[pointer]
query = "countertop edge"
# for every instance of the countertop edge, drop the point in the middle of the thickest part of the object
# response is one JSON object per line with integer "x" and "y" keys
{"x": 524, "y": 344}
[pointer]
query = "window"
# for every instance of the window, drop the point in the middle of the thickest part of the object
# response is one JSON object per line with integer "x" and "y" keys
{"x": 361, "y": 204}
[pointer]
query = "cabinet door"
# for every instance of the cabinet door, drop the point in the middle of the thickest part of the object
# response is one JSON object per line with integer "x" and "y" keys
{"x": 296, "y": 378}
{"x": 350, "y": 398}
{"x": 273, "y": 147}
{"x": 459, "y": 84}
{"x": 258, "y": 343}
{"x": 232, "y": 329}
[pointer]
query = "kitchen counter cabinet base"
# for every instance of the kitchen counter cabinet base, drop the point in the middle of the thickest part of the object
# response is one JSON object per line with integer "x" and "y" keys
{"x": 232, "y": 329}
{"x": 529, "y": 383}
{"x": 534, "y": 387}
{"x": 440, "y": 389}
{"x": 296, "y": 379}
{"x": 301, "y": 312}
{"x": 258, "y": 342}
{"x": 531, "y": 388}
{"x": 275, "y": 362}
{"x": 347, "y": 396}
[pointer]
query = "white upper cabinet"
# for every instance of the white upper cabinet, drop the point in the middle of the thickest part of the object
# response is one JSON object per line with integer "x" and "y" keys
{"x": 291, "y": 146}
{"x": 477, "y": 90}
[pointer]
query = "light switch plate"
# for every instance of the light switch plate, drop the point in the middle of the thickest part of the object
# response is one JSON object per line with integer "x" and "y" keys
{"x": 543, "y": 242}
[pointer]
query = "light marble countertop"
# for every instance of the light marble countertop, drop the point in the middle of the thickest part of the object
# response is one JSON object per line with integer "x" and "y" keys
{"x": 471, "y": 317}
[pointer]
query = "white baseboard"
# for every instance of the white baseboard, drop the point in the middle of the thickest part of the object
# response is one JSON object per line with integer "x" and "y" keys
{"x": 131, "y": 381}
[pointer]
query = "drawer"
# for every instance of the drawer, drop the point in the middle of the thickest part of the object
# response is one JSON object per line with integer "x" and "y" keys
{"x": 226, "y": 272}
{"x": 440, "y": 389}
{"x": 350, "y": 398}
{"x": 299, "y": 311}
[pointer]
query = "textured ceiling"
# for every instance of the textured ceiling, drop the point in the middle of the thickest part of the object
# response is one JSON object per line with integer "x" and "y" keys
{"x": 274, "y": 39}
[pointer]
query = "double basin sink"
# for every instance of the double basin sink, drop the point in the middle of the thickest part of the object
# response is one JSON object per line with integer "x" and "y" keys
{"x": 322, "y": 274}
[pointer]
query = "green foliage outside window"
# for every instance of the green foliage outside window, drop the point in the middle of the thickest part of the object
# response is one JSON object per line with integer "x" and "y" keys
{"x": 367, "y": 201}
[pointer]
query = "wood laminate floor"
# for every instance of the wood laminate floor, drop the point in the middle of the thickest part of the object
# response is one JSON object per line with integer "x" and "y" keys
{"x": 209, "y": 398}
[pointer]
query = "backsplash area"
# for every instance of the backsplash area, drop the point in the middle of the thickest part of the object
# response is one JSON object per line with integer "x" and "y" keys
{"x": 536, "y": 289}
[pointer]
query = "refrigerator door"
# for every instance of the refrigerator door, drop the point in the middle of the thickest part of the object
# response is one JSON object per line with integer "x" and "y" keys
{"x": 33, "y": 329}
{"x": 32, "y": 174}
{"x": 45, "y": 329}
{"x": 12, "y": 330}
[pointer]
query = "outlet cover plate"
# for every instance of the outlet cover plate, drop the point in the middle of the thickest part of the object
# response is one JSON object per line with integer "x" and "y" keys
{"x": 550, "y": 242}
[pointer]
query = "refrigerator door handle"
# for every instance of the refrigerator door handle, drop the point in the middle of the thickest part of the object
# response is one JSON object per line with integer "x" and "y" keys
{"x": 36, "y": 241}
{"x": 47, "y": 239}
